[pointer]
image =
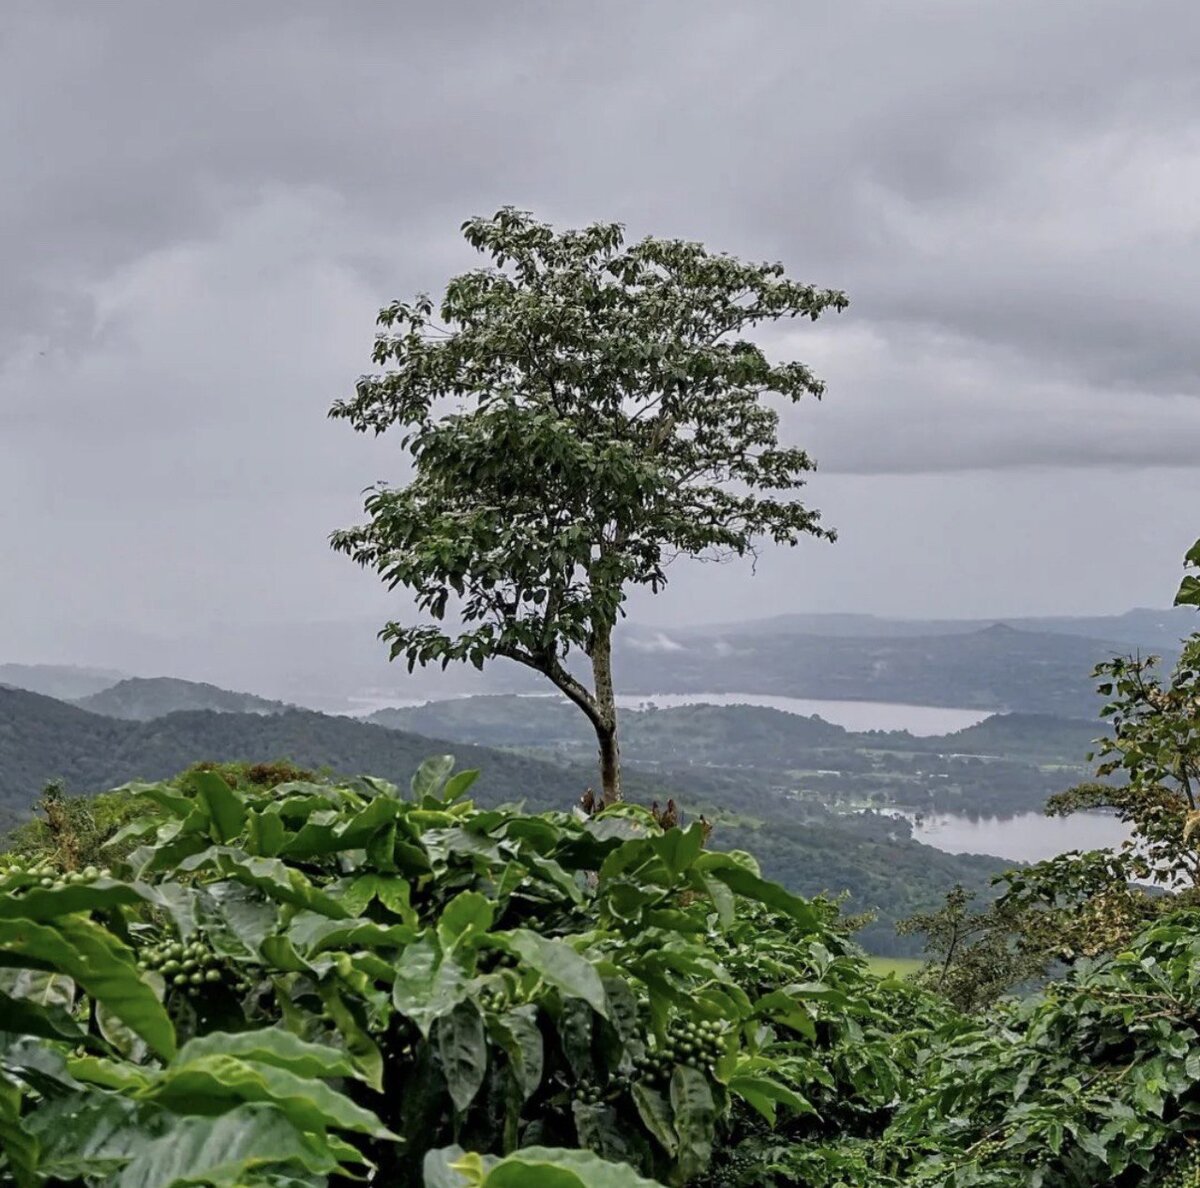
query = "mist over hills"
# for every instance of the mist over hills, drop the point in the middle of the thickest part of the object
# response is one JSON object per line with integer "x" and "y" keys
{"x": 1141, "y": 627}
{"x": 65, "y": 681}
{"x": 1020, "y": 664}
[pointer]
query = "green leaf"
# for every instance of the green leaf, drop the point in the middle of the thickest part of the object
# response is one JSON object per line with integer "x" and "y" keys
{"x": 351, "y": 1026}
{"x": 315, "y": 934}
{"x": 274, "y": 1046}
{"x": 467, "y": 915}
{"x": 226, "y": 1151}
{"x": 438, "y": 1169}
{"x": 216, "y": 1082}
{"x": 559, "y": 965}
{"x": 109, "y": 1074}
{"x": 655, "y": 1113}
{"x": 745, "y": 882}
{"x": 22, "y": 1016}
{"x": 237, "y": 919}
{"x": 88, "y": 1134}
{"x": 518, "y": 1033}
{"x": 722, "y": 898}
{"x": 462, "y": 1052}
{"x": 679, "y": 848}
{"x": 457, "y": 785}
{"x": 265, "y": 834}
{"x": 226, "y": 807}
{"x": 1189, "y": 592}
{"x": 548, "y": 1167}
{"x": 81, "y": 949}
{"x": 695, "y": 1117}
{"x": 48, "y": 903}
{"x": 431, "y": 776}
{"x": 427, "y": 987}
{"x": 18, "y": 1145}
{"x": 764, "y": 1093}
{"x": 121, "y": 1037}
{"x": 272, "y": 876}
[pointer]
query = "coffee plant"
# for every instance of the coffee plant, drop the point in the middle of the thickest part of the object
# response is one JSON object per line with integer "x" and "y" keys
{"x": 307, "y": 982}
{"x": 316, "y": 981}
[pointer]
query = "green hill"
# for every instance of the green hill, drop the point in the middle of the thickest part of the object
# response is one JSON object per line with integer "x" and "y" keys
{"x": 43, "y": 739}
{"x": 1042, "y": 735}
{"x": 810, "y": 848}
{"x": 1009, "y": 763}
{"x": 141, "y": 698}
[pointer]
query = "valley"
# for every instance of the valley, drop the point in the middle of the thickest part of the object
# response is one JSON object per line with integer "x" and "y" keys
{"x": 827, "y": 810}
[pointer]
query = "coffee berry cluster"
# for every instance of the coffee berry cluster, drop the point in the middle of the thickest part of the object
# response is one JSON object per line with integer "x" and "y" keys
{"x": 188, "y": 967}
{"x": 1185, "y": 1171}
{"x": 49, "y": 876}
{"x": 698, "y": 1045}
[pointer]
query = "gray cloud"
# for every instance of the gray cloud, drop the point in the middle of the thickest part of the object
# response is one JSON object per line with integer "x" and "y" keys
{"x": 207, "y": 204}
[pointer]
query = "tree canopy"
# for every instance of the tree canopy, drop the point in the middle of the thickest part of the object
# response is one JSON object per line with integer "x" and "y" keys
{"x": 577, "y": 414}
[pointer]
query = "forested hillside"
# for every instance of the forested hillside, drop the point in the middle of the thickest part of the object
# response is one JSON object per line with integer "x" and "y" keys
{"x": 42, "y": 739}
{"x": 1006, "y": 764}
{"x": 142, "y": 698}
{"x": 812, "y": 849}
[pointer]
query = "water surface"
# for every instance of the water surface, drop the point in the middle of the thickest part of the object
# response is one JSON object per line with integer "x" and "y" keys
{"x": 1027, "y": 837}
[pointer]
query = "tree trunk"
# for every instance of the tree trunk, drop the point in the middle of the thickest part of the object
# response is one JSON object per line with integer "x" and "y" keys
{"x": 606, "y": 719}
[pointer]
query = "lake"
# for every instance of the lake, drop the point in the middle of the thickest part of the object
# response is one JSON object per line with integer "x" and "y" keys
{"x": 1027, "y": 837}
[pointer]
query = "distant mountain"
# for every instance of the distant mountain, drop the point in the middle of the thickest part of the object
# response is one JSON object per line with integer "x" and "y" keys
{"x": 58, "y": 680}
{"x": 341, "y": 666}
{"x": 139, "y": 699}
{"x": 1141, "y": 627}
{"x": 43, "y": 739}
{"x": 998, "y": 667}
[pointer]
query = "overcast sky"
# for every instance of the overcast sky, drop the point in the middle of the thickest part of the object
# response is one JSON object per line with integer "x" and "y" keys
{"x": 205, "y": 204}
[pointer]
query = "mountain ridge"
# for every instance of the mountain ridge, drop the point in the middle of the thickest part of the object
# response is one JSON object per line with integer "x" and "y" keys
{"x": 141, "y": 698}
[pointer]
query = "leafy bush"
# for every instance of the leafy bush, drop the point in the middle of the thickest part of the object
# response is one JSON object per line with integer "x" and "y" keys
{"x": 279, "y": 985}
{"x": 1095, "y": 1081}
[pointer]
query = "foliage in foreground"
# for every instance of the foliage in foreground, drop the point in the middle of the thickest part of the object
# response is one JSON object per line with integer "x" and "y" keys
{"x": 293, "y": 985}
{"x": 281, "y": 985}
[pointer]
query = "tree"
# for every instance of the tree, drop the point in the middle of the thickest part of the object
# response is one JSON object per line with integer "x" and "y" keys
{"x": 580, "y": 413}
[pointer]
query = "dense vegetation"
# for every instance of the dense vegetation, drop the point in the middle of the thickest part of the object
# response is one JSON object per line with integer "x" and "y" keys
{"x": 1007, "y": 764}
{"x": 267, "y": 980}
{"x": 807, "y": 847}
{"x": 271, "y": 982}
